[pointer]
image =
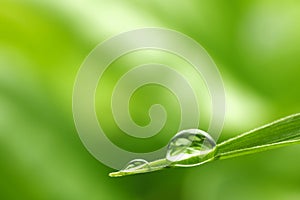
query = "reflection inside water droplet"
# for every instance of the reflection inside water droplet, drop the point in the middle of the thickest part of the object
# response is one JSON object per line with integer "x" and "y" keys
{"x": 190, "y": 143}
{"x": 136, "y": 164}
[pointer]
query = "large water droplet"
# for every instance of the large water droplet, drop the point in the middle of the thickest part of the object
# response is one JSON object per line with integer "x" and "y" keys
{"x": 136, "y": 164}
{"x": 190, "y": 143}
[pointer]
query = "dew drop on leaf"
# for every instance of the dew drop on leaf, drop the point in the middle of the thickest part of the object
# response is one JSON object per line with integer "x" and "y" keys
{"x": 136, "y": 164}
{"x": 189, "y": 143}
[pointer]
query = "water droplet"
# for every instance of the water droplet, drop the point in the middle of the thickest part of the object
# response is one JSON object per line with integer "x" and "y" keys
{"x": 136, "y": 164}
{"x": 190, "y": 143}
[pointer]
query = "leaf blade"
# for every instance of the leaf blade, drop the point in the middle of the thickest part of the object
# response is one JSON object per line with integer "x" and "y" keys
{"x": 279, "y": 133}
{"x": 282, "y": 132}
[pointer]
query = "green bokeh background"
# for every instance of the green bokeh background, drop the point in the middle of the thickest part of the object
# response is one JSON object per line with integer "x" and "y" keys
{"x": 255, "y": 44}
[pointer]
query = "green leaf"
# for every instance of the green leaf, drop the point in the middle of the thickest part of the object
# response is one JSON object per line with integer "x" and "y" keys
{"x": 283, "y": 132}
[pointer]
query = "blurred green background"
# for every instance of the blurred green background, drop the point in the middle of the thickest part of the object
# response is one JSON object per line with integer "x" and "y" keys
{"x": 255, "y": 44}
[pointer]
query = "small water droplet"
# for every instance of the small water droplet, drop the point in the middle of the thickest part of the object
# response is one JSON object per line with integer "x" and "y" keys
{"x": 136, "y": 164}
{"x": 190, "y": 143}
